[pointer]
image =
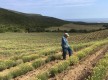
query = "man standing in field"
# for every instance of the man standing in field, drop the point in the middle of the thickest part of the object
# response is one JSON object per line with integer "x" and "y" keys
{"x": 65, "y": 46}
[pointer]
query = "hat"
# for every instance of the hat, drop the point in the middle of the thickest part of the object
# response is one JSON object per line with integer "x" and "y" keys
{"x": 66, "y": 34}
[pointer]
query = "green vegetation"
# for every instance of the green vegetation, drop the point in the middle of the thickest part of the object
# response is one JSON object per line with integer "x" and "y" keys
{"x": 5, "y": 76}
{"x": 20, "y": 70}
{"x": 53, "y": 57}
{"x": 12, "y": 21}
{"x": 38, "y": 63}
{"x": 58, "y": 68}
{"x": 30, "y": 57}
{"x": 72, "y": 60}
{"x": 22, "y": 52}
{"x": 77, "y": 28}
{"x": 6, "y": 64}
{"x": 23, "y": 44}
{"x": 100, "y": 69}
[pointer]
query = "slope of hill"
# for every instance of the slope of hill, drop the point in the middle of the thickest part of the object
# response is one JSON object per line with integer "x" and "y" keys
{"x": 13, "y": 21}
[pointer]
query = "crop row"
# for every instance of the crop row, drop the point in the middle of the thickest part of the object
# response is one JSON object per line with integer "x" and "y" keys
{"x": 99, "y": 71}
{"x": 18, "y": 70}
{"x": 27, "y": 58}
{"x": 18, "y": 44}
{"x": 23, "y": 59}
{"x": 72, "y": 60}
{"x": 26, "y": 67}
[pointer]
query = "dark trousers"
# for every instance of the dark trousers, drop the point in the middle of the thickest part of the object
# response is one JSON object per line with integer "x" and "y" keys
{"x": 65, "y": 50}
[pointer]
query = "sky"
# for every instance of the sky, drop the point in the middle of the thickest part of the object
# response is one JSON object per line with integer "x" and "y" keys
{"x": 63, "y": 9}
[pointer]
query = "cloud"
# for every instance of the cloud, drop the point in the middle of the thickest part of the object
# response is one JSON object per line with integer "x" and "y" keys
{"x": 48, "y": 3}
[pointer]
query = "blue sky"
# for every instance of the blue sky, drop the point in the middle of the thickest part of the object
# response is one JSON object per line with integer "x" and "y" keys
{"x": 64, "y": 9}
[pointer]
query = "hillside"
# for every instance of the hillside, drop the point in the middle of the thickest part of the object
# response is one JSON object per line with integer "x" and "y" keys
{"x": 14, "y": 21}
{"x": 17, "y": 21}
{"x": 78, "y": 27}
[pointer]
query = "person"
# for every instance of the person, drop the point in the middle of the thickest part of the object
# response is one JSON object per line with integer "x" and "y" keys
{"x": 65, "y": 46}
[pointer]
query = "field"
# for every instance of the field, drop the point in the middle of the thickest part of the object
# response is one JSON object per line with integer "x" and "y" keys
{"x": 68, "y": 27}
{"x": 38, "y": 56}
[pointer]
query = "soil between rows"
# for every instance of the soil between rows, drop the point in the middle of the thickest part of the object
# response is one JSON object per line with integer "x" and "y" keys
{"x": 45, "y": 67}
{"x": 82, "y": 69}
{"x": 35, "y": 72}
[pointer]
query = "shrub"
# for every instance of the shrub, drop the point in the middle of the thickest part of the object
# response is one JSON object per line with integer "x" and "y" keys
{"x": 21, "y": 69}
{"x": 58, "y": 68}
{"x": 100, "y": 70}
{"x": 53, "y": 71}
{"x": 53, "y": 57}
{"x": 86, "y": 51}
{"x": 81, "y": 55}
{"x": 50, "y": 58}
{"x": 59, "y": 56}
{"x": 5, "y": 76}
{"x": 48, "y": 52}
{"x": 43, "y": 76}
{"x": 73, "y": 60}
{"x": 20, "y": 61}
{"x": 30, "y": 57}
{"x": 6, "y": 64}
{"x": 10, "y": 63}
{"x": 38, "y": 63}
{"x": 15, "y": 58}
{"x": 64, "y": 65}
{"x": 2, "y": 65}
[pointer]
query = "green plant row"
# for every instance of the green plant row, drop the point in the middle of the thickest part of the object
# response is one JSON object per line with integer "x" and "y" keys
{"x": 72, "y": 60}
{"x": 7, "y": 64}
{"x": 30, "y": 57}
{"x": 91, "y": 49}
{"x": 49, "y": 51}
{"x": 81, "y": 46}
{"x": 45, "y": 52}
{"x": 26, "y": 67}
{"x": 12, "y": 62}
{"x": 18, "y": 70}
{"x": 99, "y": 71}
{"x": 53, "y": 70}
{"x": 26, "y": 58}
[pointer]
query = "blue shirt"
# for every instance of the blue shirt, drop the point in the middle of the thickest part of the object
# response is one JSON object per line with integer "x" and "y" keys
{"x": 64, "y": 43}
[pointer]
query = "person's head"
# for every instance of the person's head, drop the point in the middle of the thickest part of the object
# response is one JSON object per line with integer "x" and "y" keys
{"x": 66, "y": 35}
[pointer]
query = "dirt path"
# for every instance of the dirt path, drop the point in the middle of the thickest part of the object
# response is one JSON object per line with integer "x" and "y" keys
{"x": 83, "y": 69}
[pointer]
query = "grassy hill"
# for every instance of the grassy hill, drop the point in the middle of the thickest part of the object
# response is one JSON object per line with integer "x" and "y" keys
{"x": 17, "y": 21}
{"x": 13, "y": 21}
